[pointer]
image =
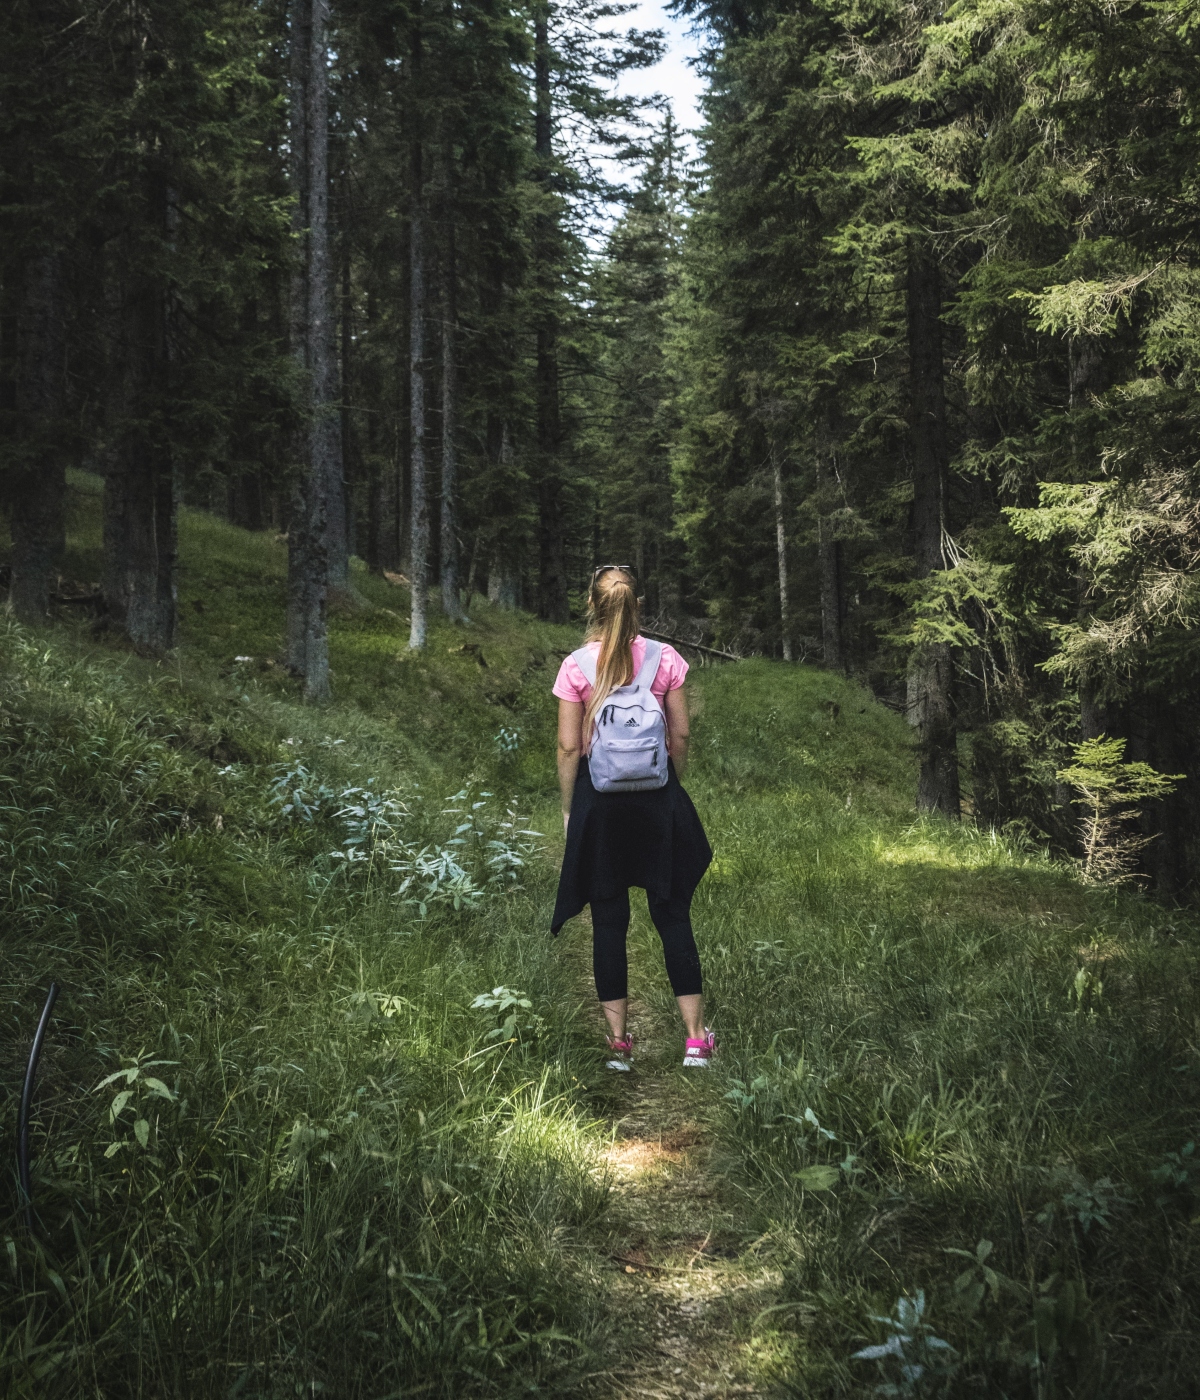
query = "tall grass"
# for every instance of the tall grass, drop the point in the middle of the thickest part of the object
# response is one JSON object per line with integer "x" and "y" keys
{"x": 279, "y": 1151}
{"x": 935, "y": 1036}
{"x": 285, "y": 1144}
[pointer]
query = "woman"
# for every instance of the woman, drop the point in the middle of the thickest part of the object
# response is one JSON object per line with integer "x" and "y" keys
{"x": 652, "y": 838}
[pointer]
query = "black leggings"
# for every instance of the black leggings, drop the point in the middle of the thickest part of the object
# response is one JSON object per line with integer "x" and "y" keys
{"x": 673, "y": 920}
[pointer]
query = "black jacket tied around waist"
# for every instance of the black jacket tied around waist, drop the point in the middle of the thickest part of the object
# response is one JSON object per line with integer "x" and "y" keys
{"x": 618, "y": 839}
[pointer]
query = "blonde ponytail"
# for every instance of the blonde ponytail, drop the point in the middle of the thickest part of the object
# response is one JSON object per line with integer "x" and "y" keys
{"x": 613, "y": 616}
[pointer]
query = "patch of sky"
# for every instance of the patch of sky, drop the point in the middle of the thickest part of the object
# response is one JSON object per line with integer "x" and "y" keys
{"x": 675, "y": 78}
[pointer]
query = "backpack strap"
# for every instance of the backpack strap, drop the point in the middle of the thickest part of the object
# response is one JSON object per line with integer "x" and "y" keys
{"x": 586, "y": 662}
{"x": 650, "y": 663}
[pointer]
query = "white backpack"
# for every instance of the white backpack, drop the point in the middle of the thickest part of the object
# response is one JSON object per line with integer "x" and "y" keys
{"x": 629, "y": 734}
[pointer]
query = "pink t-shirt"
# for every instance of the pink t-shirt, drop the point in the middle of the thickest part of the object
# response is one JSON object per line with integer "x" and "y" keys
{"x": 571, "y": 684}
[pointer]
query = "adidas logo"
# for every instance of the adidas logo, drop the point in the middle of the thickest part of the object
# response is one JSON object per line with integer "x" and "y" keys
{"x": 632, "y": 722}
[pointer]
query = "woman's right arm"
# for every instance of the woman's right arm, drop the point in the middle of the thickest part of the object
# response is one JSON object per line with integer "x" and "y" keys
{"x": 570, "y": 745}
{"x": 678, "y": 730}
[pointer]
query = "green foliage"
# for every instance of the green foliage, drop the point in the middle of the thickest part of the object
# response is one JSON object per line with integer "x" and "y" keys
{"x": 906, "y": 1069}
{"x": 1043, "y": 156}
{"x": 360, "y": 1148}
{"x": 267, "y": 1110}
{"x": 633, "y": 391}
{"x": 1110, "y": 792}
{"x": 921, "y": 1362}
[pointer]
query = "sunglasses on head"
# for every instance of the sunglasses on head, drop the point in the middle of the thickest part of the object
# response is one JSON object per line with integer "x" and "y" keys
{"x": 598, "y": 574}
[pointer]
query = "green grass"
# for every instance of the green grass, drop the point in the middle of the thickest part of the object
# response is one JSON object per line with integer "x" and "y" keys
{"x": 990, "y": 1051}
{"x": 344, "y": 1179}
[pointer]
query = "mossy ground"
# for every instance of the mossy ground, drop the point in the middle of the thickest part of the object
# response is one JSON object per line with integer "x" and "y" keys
{"x": 347, "y": 1183}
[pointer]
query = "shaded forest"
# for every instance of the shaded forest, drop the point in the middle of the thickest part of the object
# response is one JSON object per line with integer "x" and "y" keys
{"x": 895, "y": 376}
{"x": 340, "y": 340}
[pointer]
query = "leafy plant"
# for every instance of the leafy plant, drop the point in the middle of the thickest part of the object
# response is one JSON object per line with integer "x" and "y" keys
{"x": 432, "y": 875}
{"x": 1081, "y": 1202}
{"x": 140, "y": 1092}
{"x": 370, "y": 819}
{"x": 979, "y": 1280}
{"x": 300, "y": 795}
{"x": 913, "y": 1360}
{"x": 1110, "y": 792}
{"x": 1177, "y": 1177}
{"x": 506, "y": 1006}
{"x": 1064, "y": 1335}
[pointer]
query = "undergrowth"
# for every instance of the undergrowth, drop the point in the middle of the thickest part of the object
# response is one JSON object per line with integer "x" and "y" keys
{"x": 320, "y": 1112}
{"x": 282, "y": 1145}
{"x": 951, "y": 1072}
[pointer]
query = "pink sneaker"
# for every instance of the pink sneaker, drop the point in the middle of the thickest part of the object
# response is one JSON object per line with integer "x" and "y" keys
{"x": 621, "y": 1053}
{"x": 698, "y": 1053}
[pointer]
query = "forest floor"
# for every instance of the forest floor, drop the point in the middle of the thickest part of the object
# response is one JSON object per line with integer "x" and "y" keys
{"x": 680, "y": 1278}
{"x": 319, "y": 1116}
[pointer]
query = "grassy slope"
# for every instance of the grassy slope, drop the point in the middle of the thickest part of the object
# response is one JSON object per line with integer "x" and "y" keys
{"x": 354, "y": 1187}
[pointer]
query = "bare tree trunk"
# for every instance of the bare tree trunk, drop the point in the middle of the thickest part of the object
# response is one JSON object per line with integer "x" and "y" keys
{"x": 322, "y": 326}
{"x": 553, "y": 604}
{"x": 140, "y": 495}
{"x": 328, "y": 447}
{"x": 419, "y": 519}
{"x": 504, "y": 575}
{"x": 472, "y": 566}
{"x": 382, "y": 469}
{"x": 346, "y": 425}
{"x": 38, "y": 486}
{"x": 451, "y": 603}
{"x": 781, "y": 553}
{"x": 931, "y": 672}
{"x": 300, "y": 25}
{"x": 829, "y": 561}
{"x": 313, "y": 345}
{"x": 503, "y": 587}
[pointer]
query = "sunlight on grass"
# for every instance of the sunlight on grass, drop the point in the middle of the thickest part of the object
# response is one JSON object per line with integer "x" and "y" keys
{"x": 973, "y": 851}
{"x": 365, "y": 1170}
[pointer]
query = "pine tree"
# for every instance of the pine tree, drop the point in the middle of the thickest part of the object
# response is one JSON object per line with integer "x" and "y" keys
{"x": 633, "y": 289}
{"x": 39, "y": 45}
{"x": 312, "y": 335}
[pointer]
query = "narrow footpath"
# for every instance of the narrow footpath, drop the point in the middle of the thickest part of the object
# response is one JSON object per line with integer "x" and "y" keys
{"x": 681, "y": 1274}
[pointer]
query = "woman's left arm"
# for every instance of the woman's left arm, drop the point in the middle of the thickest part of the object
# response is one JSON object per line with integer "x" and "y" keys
{"x": 570, "y": 745}
{"x": 676, "y": 709}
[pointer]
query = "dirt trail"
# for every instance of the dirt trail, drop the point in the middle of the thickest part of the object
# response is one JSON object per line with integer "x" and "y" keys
{"x": 690, "y": 1301}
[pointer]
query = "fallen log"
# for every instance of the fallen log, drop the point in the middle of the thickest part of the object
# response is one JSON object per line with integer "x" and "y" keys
{"x": 695, "y": 646}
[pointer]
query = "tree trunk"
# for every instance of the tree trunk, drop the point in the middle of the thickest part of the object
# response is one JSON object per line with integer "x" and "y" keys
{"x": 39, "y": 484}
{"x": 503, "y": 561}
{"x": 313, "y": 347}
{"x": 931, "y": 672}
{"x": 1163, "y": 734}
{"x": 553, "y": 604}
{"x": 451, "y": 603}
{"x": 829, "y": 561}
{"x": 503, "y": 587}
{"x": 383, "y": 471}
{"x": 298, "y": 602}
{"x": 419, "y": 498}
{"x": 140, "y": 495}
{"x": 322, "y": 324}
{"x": 349, "y": 439}
{"x": 781, "y": 553}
